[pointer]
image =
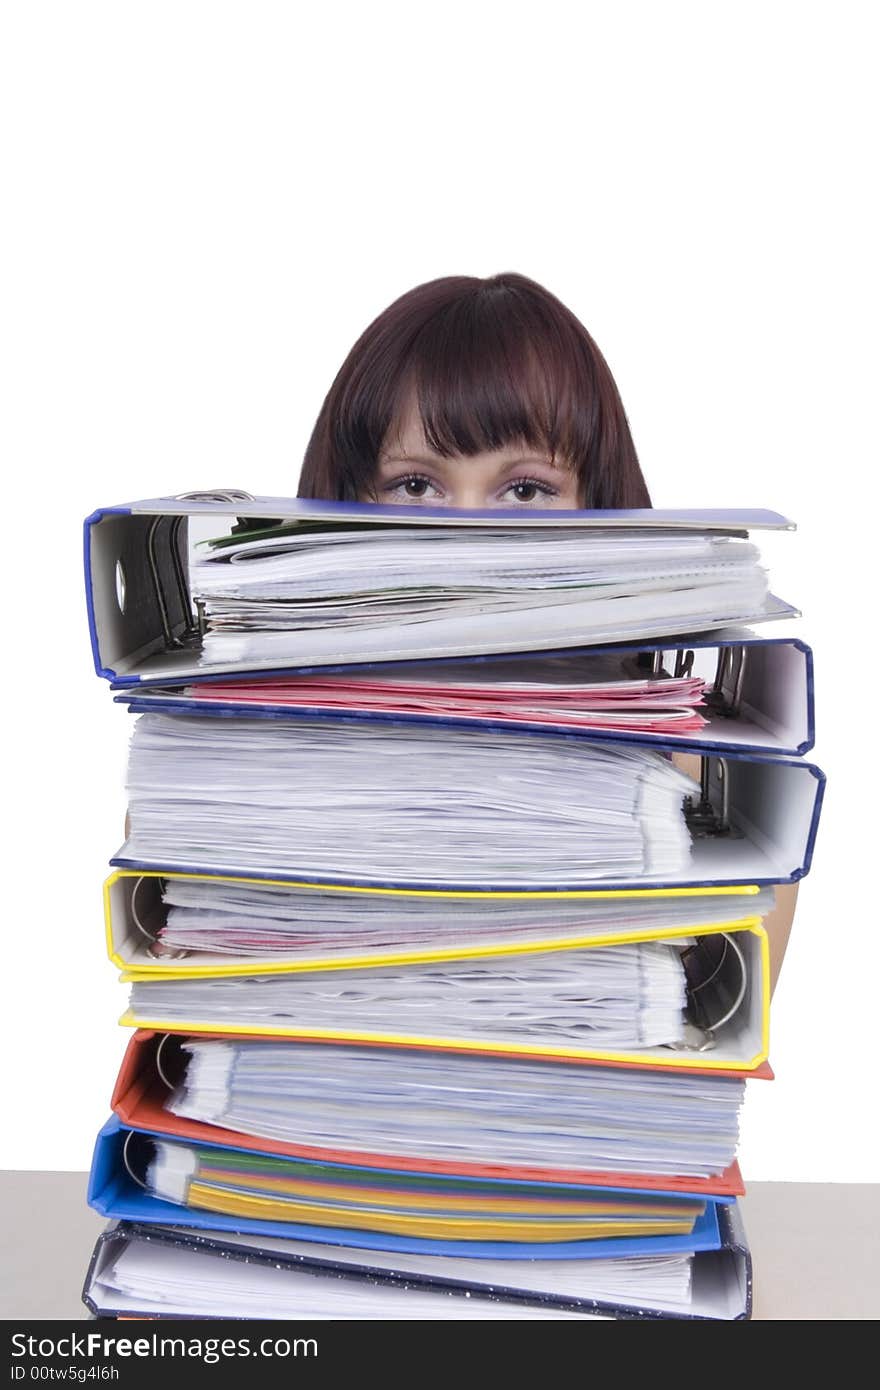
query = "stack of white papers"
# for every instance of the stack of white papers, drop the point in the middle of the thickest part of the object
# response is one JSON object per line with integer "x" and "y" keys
{"x": 423, "y": 1104}
{"x": 304, "y": 594}
{"x": 148, "y": 1277}
{"x": 623, "y": 996}
{"x": 371, "y": 802}
{"x": 262, "y": 921}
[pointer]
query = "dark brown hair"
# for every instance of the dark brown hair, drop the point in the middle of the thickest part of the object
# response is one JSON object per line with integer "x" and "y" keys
{"x": 492, "y": 362}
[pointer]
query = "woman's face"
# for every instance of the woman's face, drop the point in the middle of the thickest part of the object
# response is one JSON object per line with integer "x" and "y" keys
{"x": 411, "y": 473}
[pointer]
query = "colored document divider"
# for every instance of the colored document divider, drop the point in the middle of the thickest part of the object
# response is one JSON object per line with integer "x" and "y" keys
{"x": 119, "y": 1193}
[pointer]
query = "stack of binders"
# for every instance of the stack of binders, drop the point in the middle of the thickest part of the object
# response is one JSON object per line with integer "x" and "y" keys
{"x": 442, "y": 906}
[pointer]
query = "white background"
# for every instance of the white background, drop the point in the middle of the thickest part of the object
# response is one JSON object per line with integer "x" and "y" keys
{"x": 204, "y": 206}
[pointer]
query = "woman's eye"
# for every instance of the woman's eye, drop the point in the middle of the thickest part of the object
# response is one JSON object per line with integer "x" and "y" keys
{"x": 528, "y": 489}
{"x": 414, "y": 488}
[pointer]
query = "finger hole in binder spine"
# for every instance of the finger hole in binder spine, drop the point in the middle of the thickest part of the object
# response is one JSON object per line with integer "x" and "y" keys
{"x": 120, "y": 585}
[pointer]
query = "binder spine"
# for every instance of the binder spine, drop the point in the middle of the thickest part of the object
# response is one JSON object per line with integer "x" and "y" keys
{"x": 121, "y": 1233}
{"x": 137, "y": 590}
{"x": 88, "y": 525}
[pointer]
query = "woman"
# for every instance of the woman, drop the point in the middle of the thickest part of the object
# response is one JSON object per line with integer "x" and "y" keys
{"x": 469, "y": 392}
{"x": 483, "y": 394}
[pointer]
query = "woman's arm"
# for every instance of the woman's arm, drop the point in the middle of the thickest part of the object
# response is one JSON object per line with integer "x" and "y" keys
{"x": 778, "y": 925}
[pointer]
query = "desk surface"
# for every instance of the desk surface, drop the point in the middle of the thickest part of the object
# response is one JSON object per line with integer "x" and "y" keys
{"x": 814, "y": 1245}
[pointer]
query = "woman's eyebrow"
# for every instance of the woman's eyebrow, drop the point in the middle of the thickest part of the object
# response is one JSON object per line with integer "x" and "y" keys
{"x": 423, "y": 461}
{"x": 435, "y": 460}
{"x": 542, "y": 459}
